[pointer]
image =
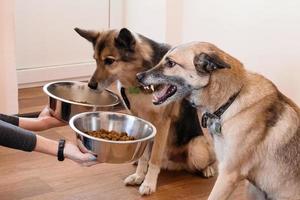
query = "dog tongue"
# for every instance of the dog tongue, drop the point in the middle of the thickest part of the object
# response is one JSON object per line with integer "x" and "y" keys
{"x": 160, "y": 93}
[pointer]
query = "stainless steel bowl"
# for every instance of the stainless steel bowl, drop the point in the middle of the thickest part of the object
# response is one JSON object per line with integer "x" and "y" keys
{"x": 68, "y": 98}
{"x": 113, "y": 151}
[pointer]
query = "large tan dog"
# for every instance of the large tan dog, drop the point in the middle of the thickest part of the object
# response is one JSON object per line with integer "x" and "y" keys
{"x": 179, "y": 144}
{"x": 255, "y": 128}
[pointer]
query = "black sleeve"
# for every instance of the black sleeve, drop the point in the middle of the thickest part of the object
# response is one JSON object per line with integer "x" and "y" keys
{"x": 17, "y": 138}
{"x": 10, "y": 119}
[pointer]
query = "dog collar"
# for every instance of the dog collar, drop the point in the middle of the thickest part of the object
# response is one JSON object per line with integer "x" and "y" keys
{"x": 125, "y": 98}
{"x": 216, "y": 116}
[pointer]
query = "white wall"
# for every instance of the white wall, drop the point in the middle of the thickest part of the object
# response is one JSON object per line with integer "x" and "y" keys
{"x": 264, "y": 35}
{"x": 174, "y": 23}
{"x": 47, "y": 47}
{"x": 146, "y": 17}
{"x": 8, "y": 82}
{"x": 160, "y": 20}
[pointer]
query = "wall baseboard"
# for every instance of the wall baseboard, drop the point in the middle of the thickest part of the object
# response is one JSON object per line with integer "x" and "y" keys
{"x": 39, "y": 76}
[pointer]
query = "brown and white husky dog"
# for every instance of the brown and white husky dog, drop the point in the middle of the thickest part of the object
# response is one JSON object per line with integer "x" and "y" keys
{"x": 255, "y": 128}
{"x": 179, "y": 143}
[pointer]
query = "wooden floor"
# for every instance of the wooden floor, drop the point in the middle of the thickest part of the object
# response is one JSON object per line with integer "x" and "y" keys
{"x": 34, "y": 176}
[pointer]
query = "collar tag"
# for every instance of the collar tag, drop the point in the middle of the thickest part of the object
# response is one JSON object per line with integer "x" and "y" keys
{"x": 205, "y": 117}
{"x": 212, "y": 122}
{"x": 214, "y": 126}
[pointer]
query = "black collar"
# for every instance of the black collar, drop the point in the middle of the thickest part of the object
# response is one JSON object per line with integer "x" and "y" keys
{"x": 218, "y": 113}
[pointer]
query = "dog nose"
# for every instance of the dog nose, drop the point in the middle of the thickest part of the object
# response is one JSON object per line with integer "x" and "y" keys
{"x": 93, "y": 85}
{"x": 140, "y": 76}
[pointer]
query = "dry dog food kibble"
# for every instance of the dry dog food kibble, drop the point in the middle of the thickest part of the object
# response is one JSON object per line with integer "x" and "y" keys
{"x": 111, "y": 135}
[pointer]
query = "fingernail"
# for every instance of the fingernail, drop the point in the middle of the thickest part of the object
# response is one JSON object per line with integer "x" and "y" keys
{"x": 93, "y": 158}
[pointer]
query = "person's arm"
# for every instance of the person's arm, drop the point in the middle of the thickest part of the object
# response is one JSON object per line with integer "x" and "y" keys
{"x": 71, "y": 151}
{"x": 14, "y": 137}
{"x": 10, "y": 119}
{"x": 43, "y": 122}
{"x": 17, "y": 138}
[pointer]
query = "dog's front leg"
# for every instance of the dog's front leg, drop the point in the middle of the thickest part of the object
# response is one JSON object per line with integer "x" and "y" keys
{"x": 159, "y": 146}
{"x": 224, "y": 186}
{"x": 138, "y": 177}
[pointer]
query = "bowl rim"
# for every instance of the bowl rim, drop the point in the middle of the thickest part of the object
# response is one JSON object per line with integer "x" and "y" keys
{"x": 71, "y": 124}
{"x": 46, "y": 86}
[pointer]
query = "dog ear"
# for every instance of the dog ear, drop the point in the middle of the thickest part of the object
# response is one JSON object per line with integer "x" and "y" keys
{"x": 125, "y": 40}
{"x": 208, "y": 63}
{"x": 89, "y": 35}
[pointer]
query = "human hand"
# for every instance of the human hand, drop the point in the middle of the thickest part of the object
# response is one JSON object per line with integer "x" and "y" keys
{"x": 48, "y": 121}
{"x": 44, "y": 121}
{"x": 79, "y": 155}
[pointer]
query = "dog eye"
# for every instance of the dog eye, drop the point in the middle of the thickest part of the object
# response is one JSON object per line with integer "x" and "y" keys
{"x": 109, "y": 61}
{"x": 170, "y": 63}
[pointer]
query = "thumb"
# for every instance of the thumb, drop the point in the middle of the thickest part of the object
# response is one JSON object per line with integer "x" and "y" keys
{"x": 89, "y": 160}
{"x": 88, "y": 157}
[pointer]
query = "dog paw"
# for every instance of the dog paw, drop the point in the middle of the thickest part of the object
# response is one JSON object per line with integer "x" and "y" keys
{"x": 209, "y": 172}
{"x": 134, "y": 179}
{"x": 147, "y": 188}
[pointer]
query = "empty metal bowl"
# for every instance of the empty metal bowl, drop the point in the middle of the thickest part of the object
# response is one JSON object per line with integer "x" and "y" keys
{"x": 113, "y": 151}
{"x": 68, "y": 98}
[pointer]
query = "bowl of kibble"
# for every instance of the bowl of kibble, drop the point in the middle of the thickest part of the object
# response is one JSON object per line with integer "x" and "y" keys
{"x": 113, "y": 137}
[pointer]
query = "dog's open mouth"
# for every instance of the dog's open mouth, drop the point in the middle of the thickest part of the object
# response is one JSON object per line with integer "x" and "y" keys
{"x": 162, "y": 93}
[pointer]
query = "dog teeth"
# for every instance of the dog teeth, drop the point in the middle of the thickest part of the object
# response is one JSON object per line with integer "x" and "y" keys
{"x": 152, "y": 88}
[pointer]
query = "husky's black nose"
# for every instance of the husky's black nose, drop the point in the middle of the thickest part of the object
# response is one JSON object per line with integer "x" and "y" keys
{"x": 93, "y": 85}
{"x": 140, "y": 76}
